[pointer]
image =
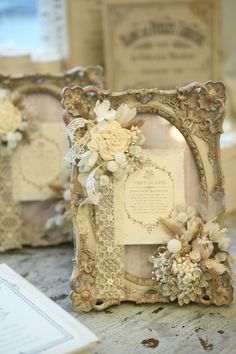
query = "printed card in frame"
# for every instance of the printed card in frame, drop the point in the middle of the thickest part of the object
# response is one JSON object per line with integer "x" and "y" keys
{"x": 34, "y": 207}
{"x": 147, "y": 196}
{"x": 165, "y": 41}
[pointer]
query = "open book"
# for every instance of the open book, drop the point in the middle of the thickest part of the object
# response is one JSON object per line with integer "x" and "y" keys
{"x": 30, "y": 323}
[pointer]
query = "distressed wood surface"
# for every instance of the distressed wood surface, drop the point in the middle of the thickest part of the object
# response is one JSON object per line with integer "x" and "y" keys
{"x": 130, "y": 328}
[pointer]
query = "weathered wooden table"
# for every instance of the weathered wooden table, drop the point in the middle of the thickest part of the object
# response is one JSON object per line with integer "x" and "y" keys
{"x": 130, "y": 328}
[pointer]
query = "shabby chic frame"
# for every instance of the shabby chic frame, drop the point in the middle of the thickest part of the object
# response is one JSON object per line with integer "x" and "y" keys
{"x": 14, "y": 231}
{"x": 99, "y": 279}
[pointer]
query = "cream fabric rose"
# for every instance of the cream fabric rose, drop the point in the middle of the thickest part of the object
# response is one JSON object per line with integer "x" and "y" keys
{"x": 110, "y": 140}
{"x": 10, "y": 117}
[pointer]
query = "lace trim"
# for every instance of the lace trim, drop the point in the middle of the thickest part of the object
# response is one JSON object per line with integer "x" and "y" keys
{"x": 109, "y": 255}
{"x": 10, "y": 221}
{"x": 74, "y": 125}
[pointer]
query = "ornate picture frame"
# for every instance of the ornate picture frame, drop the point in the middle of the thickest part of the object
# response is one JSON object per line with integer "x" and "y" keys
{"x": 106, "y": 131}
{"x": 169, "y": 42}
{"x": 31, "y": 124}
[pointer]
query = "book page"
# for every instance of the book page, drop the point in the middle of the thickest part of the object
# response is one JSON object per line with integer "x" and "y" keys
{"x": 31, "y": 323}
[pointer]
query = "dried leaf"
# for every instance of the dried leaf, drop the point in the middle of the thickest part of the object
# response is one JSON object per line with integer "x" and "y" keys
{"x": 197, "y": 231}
{"x": 171, "y": 228}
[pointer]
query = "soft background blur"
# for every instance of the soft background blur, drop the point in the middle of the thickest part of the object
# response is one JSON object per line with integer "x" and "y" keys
{"x": 51, "y": 36}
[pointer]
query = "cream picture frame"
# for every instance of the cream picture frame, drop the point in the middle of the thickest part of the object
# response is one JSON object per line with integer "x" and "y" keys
{"x": 98, "y": 123}
{"x": 32, "y": 144}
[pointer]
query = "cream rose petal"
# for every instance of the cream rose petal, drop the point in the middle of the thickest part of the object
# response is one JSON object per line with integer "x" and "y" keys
{"x": 125, "y": 114}
{"x": 103, "y": 111}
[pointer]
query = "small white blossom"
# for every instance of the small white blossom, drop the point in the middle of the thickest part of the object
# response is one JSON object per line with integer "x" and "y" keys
{"x": 59, "y": 207}
{"x": 18, "y": 136}
{"x": 125, "y": 114}
{"x": 135, "y": 150}
{"x": 66, "y": 195}
{"x": 49, "y": 224}
{"x": 87, "y": 160}
{"x": 221, "y": 256}
{"x": 112, "y": 166}
{"x": 224, "y": 244}
{"x": 11, "y": 137}
{"x": 174, "y": 246}
{"x": 103, "y": 111}
{"x": 104, "y": 181}
{"x": 120, "y": 158}
{"x": 23, "y": 126}
{"x": 182, "y": 217}
{"x": 59, "y": 220}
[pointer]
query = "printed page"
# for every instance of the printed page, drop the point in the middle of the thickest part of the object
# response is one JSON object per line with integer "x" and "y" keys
{"x": 31, "y": 323}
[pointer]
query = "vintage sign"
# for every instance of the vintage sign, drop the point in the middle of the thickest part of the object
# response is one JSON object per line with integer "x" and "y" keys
{"x": 160, "y": 43}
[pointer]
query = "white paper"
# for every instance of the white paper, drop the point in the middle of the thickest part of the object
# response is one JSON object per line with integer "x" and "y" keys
{"x": 30, "y": 323}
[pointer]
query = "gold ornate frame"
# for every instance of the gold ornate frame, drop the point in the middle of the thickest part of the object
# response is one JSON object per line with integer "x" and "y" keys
{"x": 14, "y": 232}
{"x": 197, "y": 111}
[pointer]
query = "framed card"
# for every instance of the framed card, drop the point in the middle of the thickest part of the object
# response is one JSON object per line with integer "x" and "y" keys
{"x": 147, "y": 195}
{"x": 34, "y": 177}
{"x": 160, "y": 43}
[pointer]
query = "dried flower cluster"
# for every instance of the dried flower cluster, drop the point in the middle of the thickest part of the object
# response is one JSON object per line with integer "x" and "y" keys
{"x": 108, "y": 141}
{"x": 13, "y": 124}
{"x": 62, "y": 218}
{"x": 193, "y": 258}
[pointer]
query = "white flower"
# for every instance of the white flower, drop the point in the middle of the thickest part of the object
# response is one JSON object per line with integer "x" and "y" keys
{"x": 104, "y": 181}
{"x": 87, "y": 160}
{"x": 23, "y": 126}
{"x": 18, "y": 136}
{"x": 59, "y": 220}
{"x": 182, "y": 217}
{"x": 224, "y": 244}
{"x": 221, "y": 256}
{"x": 135, "y": 150}
{"x": 212, "y": 228}
{"x": 59, "y": 208}
{"x": 12, "y": 144}
{"x": 120, "y": 158}
{"x": 119, "y": 173}
{"x": 11, "y": 137}
{"x": 112, "y": 166}
{"x": 195, "y": 256}
{"x": 110, "y": 140}
{"x": 141, "y": 139}
{"x": 66, "y": 195}
{"x": 82, "y": 178}
{"x": 174, "y": 246}
{"x": 103, "y": 111}
{"x": 49, "y": 224}
{"x": 125, "y": 114}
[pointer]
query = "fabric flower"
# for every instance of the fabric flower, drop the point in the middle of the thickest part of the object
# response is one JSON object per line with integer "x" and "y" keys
{"x": 125, "y": 114}
{"x": 110, "y": 140}
{"x": 112, "y": 166}
{"x": 174, "y": 246}
{"x": 87, "y": 160}
{"x": 120, "y": 158}
{"x": 10, "y": 117}
{"x": 103, "y": 111}
{"x": 135, "y": 150}
{"x": 104, "y": 181}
